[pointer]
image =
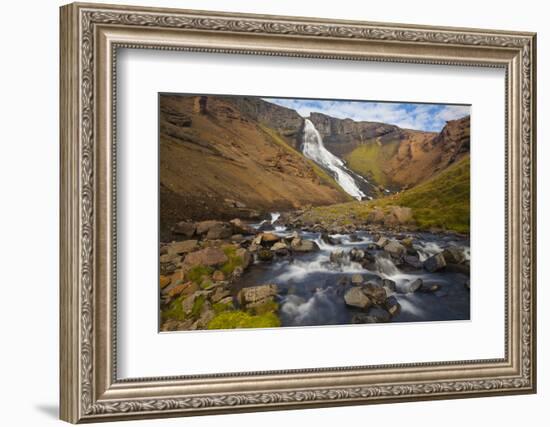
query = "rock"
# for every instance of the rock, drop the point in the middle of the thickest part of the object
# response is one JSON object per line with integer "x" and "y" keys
{"x": 376, "y": 216}
{"x": 280, "y": 248}
{"x": 237, "y": 238}
{"x": 343, "y": 281}
{"x": 182, "y": 289}
{"x": 257, "y": 240}
{"x": 183, "y": 247}
{"x": 398, "y": 216}
{"x": 339, "y": 257}
{"x": 169, "y": 258}
{"x": 389, "y": 284}
{"x": 226, "y": 301}
{"x": 458, "y": 268}
{"x": 355, "y": 297}
{"x": 177, "y": 277}
{"x": 380, "y": 314}
{"x": 412, "y": 261}
{"x": 204, "y": 226}
{"x": 392, "y": 306}
{"x": 376, "y": 293}
{"x": 430, "y": 288}
{"x": 238, "y": 272}
{"x": 467, "y": 284}
{"x": 269, "y": 239}
{"x": 300, "y": 245}
{"x": 206, "y": 315}
{"x": 164, "y": 281}
{"x": 362, "y": 318}
{"x": 208, "y": 257}
{"x": 382, "y": 241}
{"x": 454, "y": 255}
{"x": 435, "y": 263}
{"x": 257, "y": 294}
{"x": 184, "y": 228}
{"x": 218, "y": 276}
{"x": 414, "y": 285}
{"x": 219, "y": 231}
{"x": 407, "y": 242}
{"x": 395, "y": 249}
{"x": 325, "y": 237}
{"x": 357, "y": 279}
{"x": 265, "y": 255}
{"x": 219, "y": 293}
{"x": 245, "y": 256}
{"x": 356, "y": 255}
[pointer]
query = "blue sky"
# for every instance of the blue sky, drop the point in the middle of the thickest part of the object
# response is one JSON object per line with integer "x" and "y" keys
{"x": 428, "y": 117}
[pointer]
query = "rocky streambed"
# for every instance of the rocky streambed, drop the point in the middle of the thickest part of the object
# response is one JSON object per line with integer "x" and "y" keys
{"x": 219, "y": 275}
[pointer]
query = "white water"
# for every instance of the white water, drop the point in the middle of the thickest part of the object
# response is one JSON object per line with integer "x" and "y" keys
{"x": 274, "y": 216}
{"x": 316, "y": 151}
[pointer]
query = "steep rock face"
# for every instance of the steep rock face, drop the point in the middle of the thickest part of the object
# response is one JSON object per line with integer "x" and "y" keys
{"x": 342, "y": 136}
{"x": 285, "y": 121}
{"x": 390, "y": 156}
{"x": 218, "y": 161}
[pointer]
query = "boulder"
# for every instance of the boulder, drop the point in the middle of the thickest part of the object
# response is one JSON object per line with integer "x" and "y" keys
{"x": 257, "y": 294}
{"x": 407, "y": 242}
{"x": 389, "y": 285}
{"x": 339, "y": 257}
{"x": 376, "y": 216}
{"x": 355, "y": 297}
{"x": 395, "y": 249}
{"x": 382, "y": 241}
{"x": 301, "y": 245}
{"x": 398, "y": 215}
{"x": 376, "y": 293}
{"x": 238, "y": 272}
{"x": 218, "y": 276}
{"x": 177, "y": 277}
{"x": 357, "y": 279}
{"x": 208, "y": 256}
{"x": 219, "y": 231}
{"x": 204, "y": 226}
{"x": 206, "y": 315}
{"x": 362, "y": 318}
{"x": 240, "y": 227}
{"x": 356, "y": 255}
{"x": 325, "y": 237}
{"x": 392, "y": 306}
{"x": 413, "y": 285}
{"x": 182, "y": 289}
{"x": 237, "y": 238}
{"x": 454, "y": 255}
{"x": 184, "y": 228}
{"x": 269, "y": 239}
{"x": 412, "y": 261}
{"x": 169, "y": 258}
{"x": 183, "y": 247}
{"x": 164, "y": 281}
{"x": 280, "y": 248}
{"x": 219, "y": 294}
{"x": 245, "y": 256}
{"x": 435, "y": 263}
{"x": 265, "y": 255}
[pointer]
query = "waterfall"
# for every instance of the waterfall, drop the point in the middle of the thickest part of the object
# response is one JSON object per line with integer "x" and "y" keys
{"x": 314, "y": 149}
{"x": 275, "y": 216}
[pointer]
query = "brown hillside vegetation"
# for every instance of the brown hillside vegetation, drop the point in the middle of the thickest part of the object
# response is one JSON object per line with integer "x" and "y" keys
{"x": 391, "y": 156}
{"x": 217, "y": 162}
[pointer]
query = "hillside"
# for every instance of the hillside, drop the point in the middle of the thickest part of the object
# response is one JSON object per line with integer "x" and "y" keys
{"x": 217, "y": 161}
{"x": 443, "y": 201}
{"x": 393, "y": 157}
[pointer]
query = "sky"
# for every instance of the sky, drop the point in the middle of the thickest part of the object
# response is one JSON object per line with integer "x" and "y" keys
{"x": 427, "y": 117}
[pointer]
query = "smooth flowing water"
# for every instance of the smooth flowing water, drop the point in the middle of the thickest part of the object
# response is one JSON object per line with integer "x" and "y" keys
{"x": 311, "y": 287}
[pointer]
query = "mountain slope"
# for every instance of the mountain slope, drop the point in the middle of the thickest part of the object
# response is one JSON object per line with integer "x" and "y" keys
{"x": 443, "y": 201}
{"x": 218, "y": 162}
{"x": 393, "y": 157}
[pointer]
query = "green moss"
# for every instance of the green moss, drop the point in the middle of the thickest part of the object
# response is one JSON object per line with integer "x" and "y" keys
{"x": 197, "y": 306}
{"x": 267, "y": 307}
{"x": 174, "y": 310}
{"x": 366, "y": 160}
{"x": 198, "y": 273}
{"x": 241, "y": 319}
{"x": 233, "y": 261}
{"x": 221, "y": 307}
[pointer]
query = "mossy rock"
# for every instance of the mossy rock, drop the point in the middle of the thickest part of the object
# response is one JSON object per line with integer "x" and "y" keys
{"x": 239, "y": 319}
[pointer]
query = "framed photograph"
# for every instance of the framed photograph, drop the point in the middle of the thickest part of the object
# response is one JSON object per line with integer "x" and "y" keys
{"x": 265, "y": 212}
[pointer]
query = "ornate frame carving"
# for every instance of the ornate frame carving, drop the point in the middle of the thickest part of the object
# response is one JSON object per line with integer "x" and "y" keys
{"x": 90, "y": 36}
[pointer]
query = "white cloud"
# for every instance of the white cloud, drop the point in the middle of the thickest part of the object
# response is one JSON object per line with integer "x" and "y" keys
{"x": 429, "y": 117}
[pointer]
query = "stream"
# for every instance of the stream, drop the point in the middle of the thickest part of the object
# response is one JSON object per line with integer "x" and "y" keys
{"x": 311, "y": 287}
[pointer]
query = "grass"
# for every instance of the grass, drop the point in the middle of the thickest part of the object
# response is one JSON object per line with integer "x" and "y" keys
{"x": 325, "y": 178}
{"x": 174, "y": 310}
{"x": 233, "y": 261}
{"x": 198, "y": 273}
{"x": 221, "y": 307}
{"x": 197, "y": 306}
{"x": 240, "y": 319}
{"x": 441, "y": 202}
{"x": 367, "y": 158}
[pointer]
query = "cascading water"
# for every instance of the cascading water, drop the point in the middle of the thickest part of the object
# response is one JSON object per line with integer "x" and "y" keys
{"x": 314, "y": 149}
